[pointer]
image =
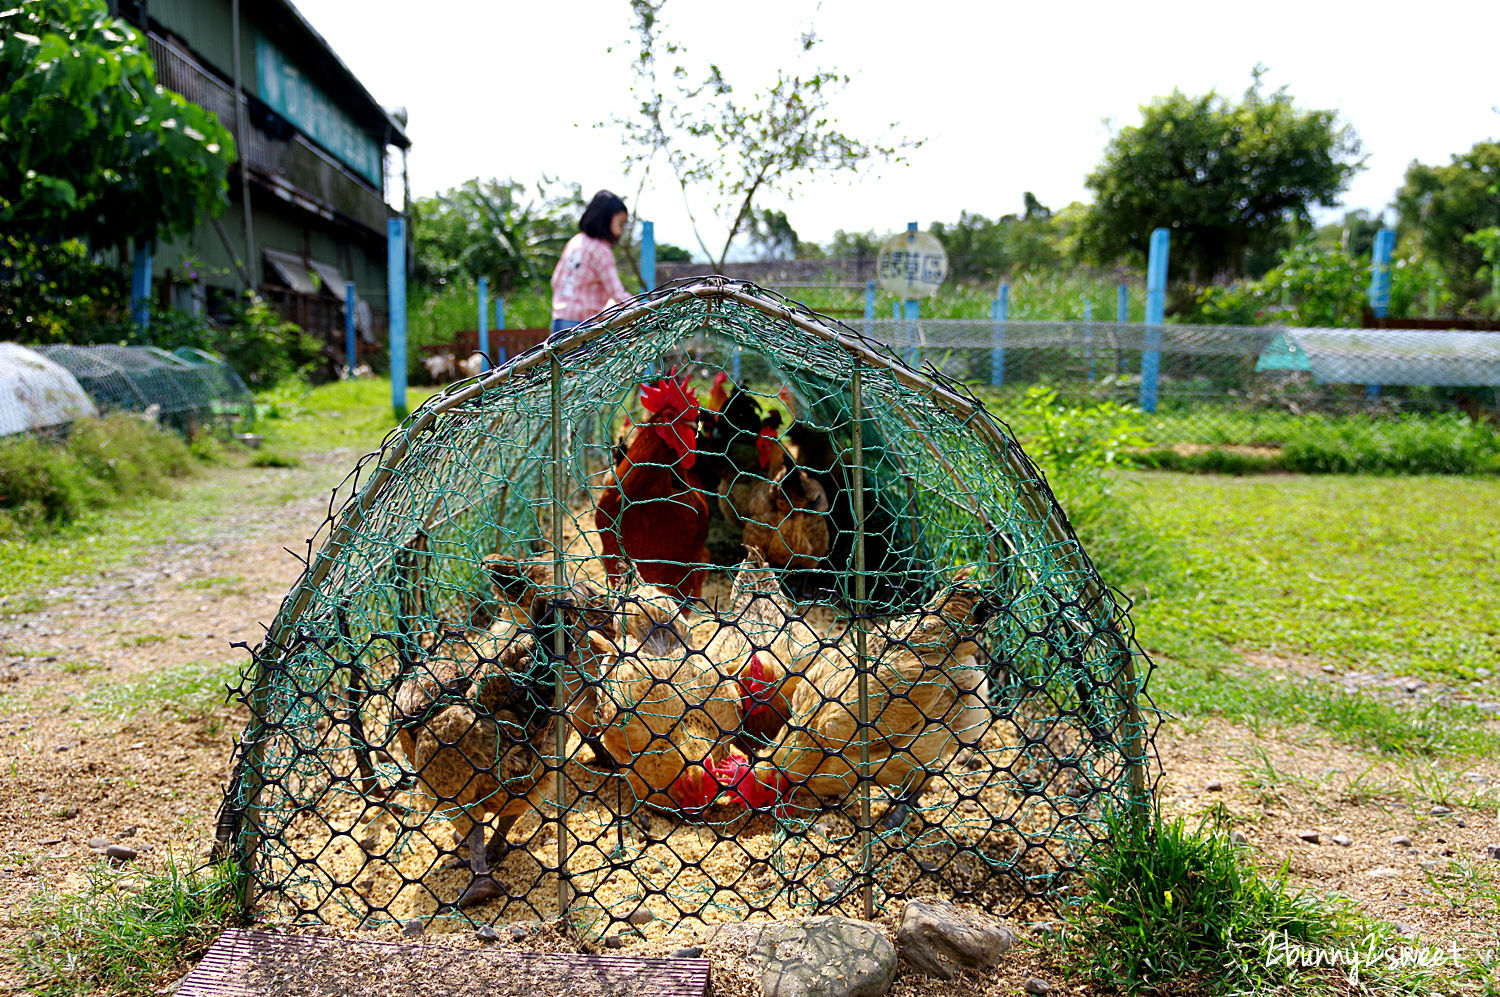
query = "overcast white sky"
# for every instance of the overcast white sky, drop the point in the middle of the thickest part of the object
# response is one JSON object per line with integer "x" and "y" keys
{"x": 1009, "y": 96}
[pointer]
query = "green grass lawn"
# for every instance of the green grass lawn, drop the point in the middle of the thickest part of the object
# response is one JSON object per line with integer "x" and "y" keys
{"x": 1395, "y": 575}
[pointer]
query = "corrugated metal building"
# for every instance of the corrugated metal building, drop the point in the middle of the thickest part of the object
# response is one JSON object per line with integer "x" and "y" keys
{"x": 313, "y": 144}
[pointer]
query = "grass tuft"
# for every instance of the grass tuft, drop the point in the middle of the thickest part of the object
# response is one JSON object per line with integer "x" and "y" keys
{"x": 128, "y": 932}
{"x": 1168, "y": 904}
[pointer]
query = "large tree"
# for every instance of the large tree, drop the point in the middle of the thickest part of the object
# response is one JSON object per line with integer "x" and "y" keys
{"x": 727, "y": 146}
{"x": 1441, "y": 206}
{"x": 1229, "y": 179}
{"x": 93, "y": 148}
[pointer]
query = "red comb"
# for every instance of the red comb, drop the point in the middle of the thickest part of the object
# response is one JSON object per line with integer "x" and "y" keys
{"x": 738, "y": 779}
{"x": 670, "y": 393}
{"x": 720, "y": 378}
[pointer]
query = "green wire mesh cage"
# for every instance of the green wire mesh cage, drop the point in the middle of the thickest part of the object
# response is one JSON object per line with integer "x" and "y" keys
{"x": 708, "y": 606}
{"x": 190, "y": 391}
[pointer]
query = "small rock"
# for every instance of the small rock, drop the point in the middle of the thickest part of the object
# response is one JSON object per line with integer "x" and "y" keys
{"x": 614, "y": 942}
{"x": 1329, "y": 670}
{"x": 1214, "y": 786}
{"x": 519, "y": 934}
{"x": 691, "y": 952}
{"x": 1401, "y": 842}
{"x": 1238, "y": 837}
{"x": 1342, "y": 840}
{"x": 1036, "y": 986}
{"x": 413, "y": 928}
{"x": 487, "y": 933}
{"x": 927, "y": 866}
{"x": 100, "y": 843}
{"x": 44, "y": 797}
{"x": 942, "y": 940}
{"x": 128, "y": 832}
{"x": 814, "y": 956}
{"x": 1412, "y": 686}
{"x": 1460, "y": 822}
{"x": 1440, "y": 811}
{"x": 1384, "y": 872}
{"x": 641, "y": 915}
{"x": 45, "y": 842}
{"x": 67, "y": 813}
{"x": 1493, "y": 851}
{"x": 1311, "y": 837}
{"x": 969, "y": 807}
{"x": 1404, "y": 928}
{"x": 120, "y": 853}
{"x": 1431, "y": 865}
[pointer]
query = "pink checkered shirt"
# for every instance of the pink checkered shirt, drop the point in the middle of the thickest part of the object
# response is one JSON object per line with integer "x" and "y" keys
{"x": 585, "y": 281}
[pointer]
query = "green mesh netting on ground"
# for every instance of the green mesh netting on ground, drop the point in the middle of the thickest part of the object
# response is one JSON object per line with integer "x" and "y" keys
{"x": 708, "y": 606}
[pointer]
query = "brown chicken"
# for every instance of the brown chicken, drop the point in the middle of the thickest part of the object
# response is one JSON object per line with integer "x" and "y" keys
{"x": 651, "y": 509}
{"x": 473, "y": 717}
{"x": 668, "y": 708}
{"x": 788, "y": 518}
{"x": 928, "y": 697}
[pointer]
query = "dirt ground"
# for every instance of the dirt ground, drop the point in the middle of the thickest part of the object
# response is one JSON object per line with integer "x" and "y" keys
{"x": 82, "y": 771}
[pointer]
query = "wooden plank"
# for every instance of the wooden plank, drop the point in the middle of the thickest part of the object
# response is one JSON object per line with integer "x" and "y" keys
{"x": 228, "y": 968}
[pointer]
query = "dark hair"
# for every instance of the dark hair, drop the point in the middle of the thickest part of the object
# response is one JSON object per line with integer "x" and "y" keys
{"x": 600, "y": 212}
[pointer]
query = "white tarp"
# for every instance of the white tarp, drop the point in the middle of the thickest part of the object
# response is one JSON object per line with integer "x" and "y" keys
{"x": 1401, "y": 356}
{"x": 36, "y": 393}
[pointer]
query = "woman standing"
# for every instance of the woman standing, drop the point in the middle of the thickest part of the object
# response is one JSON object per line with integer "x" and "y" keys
{"x": 586, "y": 281}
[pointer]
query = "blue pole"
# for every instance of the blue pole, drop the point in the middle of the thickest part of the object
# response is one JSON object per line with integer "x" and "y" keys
{"x": 648, "y": 255}
{"x": 913, "y": 332}
{"x": 1088, "y": 336}
{"x": 999, "y": 313}
{"x": 499, "y": 315}
{"x": 140, "y": 286}
{"x": 869, "y": 301}
{"x": 734, "y": 365}
{"x": 351, "y": 356}
{"x": 1380, "y": 272}
{"x": 1122, "y": 315}
{"x": 396, "y": 296}
{"x": 1156, "y": 308}
{"x": 484, "y": 324}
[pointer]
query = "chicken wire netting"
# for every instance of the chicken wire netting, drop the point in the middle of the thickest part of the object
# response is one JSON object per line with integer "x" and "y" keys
{"x": 706, "y": 608}
{"x": 189, "y": 391}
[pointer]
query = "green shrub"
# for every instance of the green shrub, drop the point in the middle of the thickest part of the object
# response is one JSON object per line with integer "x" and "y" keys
{"x": 1444, "y": 443}
{"x": 50, "y": 483}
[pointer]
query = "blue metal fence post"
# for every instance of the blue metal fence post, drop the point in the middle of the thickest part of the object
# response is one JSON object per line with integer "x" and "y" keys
{"x": 1088, "y": 336}
{"x": 1380, "y": 284}
{"x": 734, "y": 365}
{"x": 1156, "y": 308}
{"x": 140, "y": 286}
{"x": 869, "y": 302}
{"x": 999, "y": 313}
{"x": 351, "y": 346}
{"x": 396, "y": 298}
{"x": 499, "y": 314}
{"x": 1122, "y": 315}
{"x": 913, "y": 332}
{"x": 484, "y": 324}
{"x": 648, "y": 255}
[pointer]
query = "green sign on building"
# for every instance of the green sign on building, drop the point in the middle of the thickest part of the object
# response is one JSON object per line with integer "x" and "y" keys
{"x": 288, "y": 92}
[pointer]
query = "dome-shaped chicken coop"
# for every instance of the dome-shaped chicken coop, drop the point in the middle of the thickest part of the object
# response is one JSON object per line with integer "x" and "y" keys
{"x": 708, "y": 606}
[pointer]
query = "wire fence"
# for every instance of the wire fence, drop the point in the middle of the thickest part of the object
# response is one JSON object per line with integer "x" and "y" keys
{"x": 188, "y": 390}
{"x": 1188, "y": 368}
{"x": 706, "y": 608}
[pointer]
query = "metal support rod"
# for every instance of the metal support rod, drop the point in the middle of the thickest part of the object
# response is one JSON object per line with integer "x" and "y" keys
{"x": 241, "y": 147}
{"x": 861, "y": 659}
{"x": 559, "y": 646}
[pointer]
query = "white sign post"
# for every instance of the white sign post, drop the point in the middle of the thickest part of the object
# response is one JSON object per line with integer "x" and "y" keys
{"x": 911, "y": 266}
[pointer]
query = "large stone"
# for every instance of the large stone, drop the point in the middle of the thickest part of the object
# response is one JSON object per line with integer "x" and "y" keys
{"x": 942, "y": 940}
{"x": 814, "y": 956}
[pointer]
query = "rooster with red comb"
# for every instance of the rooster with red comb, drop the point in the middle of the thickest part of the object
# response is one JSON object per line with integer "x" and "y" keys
{"x": 651, "y": 510}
